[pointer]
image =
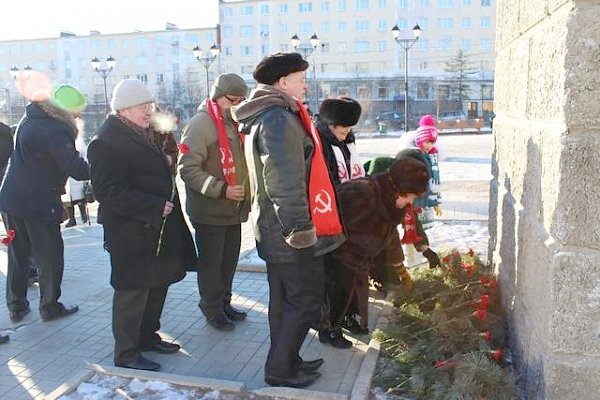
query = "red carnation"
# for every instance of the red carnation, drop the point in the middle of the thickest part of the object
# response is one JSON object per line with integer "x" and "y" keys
{"x": 446, "y": 259}
{"x": 456, "y": 253}
{"x": 484, "y": 301}
{"x": 445, "y": 364}
{"x": 493, "y": 283}
{"x": 10, "y": 236}
{"x": 483, "y": 281}
{"x": 487, "y": 335}
{"x": 497, "y": 354}
{"x": 480, "y": 314}
{"x": 183, "y": 148}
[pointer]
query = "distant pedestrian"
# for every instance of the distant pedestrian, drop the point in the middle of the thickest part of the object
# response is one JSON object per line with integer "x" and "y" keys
{"x": 294, "y": 207}
{"x": 429, "y": 204}
{"x": 217, "y": 202}
{"x": 149, "y": 243}
{"x": 43, "y": 158}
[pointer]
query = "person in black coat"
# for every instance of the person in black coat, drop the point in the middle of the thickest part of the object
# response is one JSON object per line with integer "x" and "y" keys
{"x": 44, "y": 156}
{"x": 148, "y": 240}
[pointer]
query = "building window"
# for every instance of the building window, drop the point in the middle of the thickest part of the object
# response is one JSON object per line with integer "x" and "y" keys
{"x": 424, "y": 3}
{"x": 465, "y": 44}
{"x": 423, "y": 44}
{"x": 283, "y": 28}
{"x": 466, "y": 3}
{"x": 362, "y": 26}
{"x": 402, "y": 3}
{"x": 247, "y": 69}
{"x": 264, "y": 9}
{"x": 444, "y": 23}
{"x": 305, "y": 27}
{"x": 422, "y": 90}
{"x": 424, "y": 23}
{"x": 382, "y": 46}
{"x": 284, "y": 48}
{"x": 486, "y": 3}
{"x": 304, "y": 7}
{"x": 325, "y": 6}
{"x": 246, "y": 51}
{"x": 227, "y": 12}
{"x": 382, "y": 25}
{"x": 383, "y": 3}
{"x": 382, "y": 92}
{"x": 445, "y": 3}
{"x": 246, "y": 30}
{"x": 444, "y": 43}
{"x": 403, "y": 24}
{"x": 362, "y": 46}
{"x": 264, "y": 30}
{"x": 228, "y": 51}
{"x": 342, "y": 5}
{"x": 361, "y": 5}
{"x": 485, "y": 44}
{"x": 160, "y": 78}
{"x": 487, "y": 91}
{"x": 283, "y": 8}
{"x": 466, "y": 23}
{"x": 246, "y": 11}
{"x": 341, "y": 26}
{"x": 143, "y": 78}
{"x": 227, "y": 32}
{"x": 264, "y": 49}
{"x": 485, "y": 22}
{"x": 341, "y": 47}
{"x": 443, "y": 92}
{"x": 343, "y": 91}
{"x": 324, "y": 48}
{"x": 363, "y": 92}
{"x": 423, "y": 66}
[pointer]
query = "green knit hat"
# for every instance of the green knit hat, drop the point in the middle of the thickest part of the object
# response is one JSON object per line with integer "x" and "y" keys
{"x": 68, "y": 98}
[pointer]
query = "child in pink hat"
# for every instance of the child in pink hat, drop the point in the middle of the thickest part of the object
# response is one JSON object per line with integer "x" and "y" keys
{"x": 425, "y": 139}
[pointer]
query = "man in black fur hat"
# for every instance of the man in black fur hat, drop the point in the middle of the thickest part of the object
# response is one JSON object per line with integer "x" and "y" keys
{"x": 295, "y": 212}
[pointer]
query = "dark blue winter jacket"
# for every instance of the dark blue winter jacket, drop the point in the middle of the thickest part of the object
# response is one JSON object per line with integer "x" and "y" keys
{"x": 43, "y": 158}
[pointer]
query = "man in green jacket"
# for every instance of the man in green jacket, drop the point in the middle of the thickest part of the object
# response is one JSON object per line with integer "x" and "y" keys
{"x": 213, "y": 167}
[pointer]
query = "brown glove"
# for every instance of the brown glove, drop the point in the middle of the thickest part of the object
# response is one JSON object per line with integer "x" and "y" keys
{"x": 404, "y": 276}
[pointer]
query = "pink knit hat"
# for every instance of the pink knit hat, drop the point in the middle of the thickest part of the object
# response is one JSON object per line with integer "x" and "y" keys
{"x": 426, "y": 132}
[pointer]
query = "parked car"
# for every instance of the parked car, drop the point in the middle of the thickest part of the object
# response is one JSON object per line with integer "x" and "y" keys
{"x": 392, "y": 119}
{"x": 458, "y": 121}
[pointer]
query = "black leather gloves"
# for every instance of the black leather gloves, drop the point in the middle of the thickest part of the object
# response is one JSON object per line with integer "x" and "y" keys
{"x": 432, "y": 257}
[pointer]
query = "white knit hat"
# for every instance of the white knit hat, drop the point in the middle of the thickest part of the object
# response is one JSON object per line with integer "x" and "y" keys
{"x": 130, "y": 93}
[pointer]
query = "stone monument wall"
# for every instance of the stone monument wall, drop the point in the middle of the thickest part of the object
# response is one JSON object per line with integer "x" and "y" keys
{"x": 545, "y": 192}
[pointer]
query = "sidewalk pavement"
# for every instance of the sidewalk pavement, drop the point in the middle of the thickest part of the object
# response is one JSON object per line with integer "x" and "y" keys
{"x": 40, "y": 356}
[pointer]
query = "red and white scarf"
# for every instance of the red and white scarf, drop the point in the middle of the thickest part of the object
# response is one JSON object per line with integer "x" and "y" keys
{"x": 227, "y": 163}
{"x": 321, "y": 195}
{"x": 409, "y": 223}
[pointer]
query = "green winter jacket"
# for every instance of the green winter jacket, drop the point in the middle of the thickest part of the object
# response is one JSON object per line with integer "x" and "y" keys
{"x": 200, "y": 168}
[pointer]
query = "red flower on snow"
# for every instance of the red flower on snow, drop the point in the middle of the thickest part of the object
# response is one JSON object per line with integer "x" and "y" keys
{"x": 480, "y": 314}
{"x": 467, "y": 267}
{"x": 183, "y": 148}
{"x": 487, "y": 335}
{"x": 497, "y": 354}
{"x": 10, "y": 236}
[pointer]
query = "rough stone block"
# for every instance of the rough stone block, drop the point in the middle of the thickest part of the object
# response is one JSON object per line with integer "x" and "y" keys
{"x": 575, "y": 323}
{"x": 573, "y": 379}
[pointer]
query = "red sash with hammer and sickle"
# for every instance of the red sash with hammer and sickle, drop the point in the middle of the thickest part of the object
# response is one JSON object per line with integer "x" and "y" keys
{"x": 227, "y": 163}
{"x": 322, "y": 200}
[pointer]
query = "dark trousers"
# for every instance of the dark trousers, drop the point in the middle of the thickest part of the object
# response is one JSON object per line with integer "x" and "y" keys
{"x": 295, "y": 297}
{"x": 218, "y": 252}
{"x": 44, "y": 242}
{"x": 336, "y": 291}
{"x": 135, "y": 321}
{"x": 82, "y": 209}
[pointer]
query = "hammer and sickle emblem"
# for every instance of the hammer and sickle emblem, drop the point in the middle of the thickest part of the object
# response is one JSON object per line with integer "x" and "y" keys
{"x": 323, "y": 202}
{"x": 226, "y": 155}
{"x": 356, "y": 171}
{"x": 342, "y": 172}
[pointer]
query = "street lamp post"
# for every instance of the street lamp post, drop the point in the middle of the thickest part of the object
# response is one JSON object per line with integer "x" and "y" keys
{"x": 406, "y": 45}
{"x": 206, "y": 58}
{"x": 306, "y": 52}
{"x": 104, "y": 72}
{"x": 15, "y": 72}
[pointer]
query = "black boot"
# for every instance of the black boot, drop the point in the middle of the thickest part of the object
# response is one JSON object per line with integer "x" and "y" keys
{"x": 71, "y": 214}
{"x": 335, "y": 338}
{"x": 83, "y": 211}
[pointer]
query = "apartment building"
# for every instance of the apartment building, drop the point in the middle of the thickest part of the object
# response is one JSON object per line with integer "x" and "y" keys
{"x": 356, "y": 55}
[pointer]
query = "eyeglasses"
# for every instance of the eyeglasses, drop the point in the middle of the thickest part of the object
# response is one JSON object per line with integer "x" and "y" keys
{"x": 146, "y": 107}
{"x": 235, "y": 100}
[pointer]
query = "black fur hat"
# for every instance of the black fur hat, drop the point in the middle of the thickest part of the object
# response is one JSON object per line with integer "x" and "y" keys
{"x": 277, "y": 65}
{"x": 342, "y": 111}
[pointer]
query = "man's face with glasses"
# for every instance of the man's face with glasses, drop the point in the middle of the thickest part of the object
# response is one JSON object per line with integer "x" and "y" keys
{"x": 227, "y": 101}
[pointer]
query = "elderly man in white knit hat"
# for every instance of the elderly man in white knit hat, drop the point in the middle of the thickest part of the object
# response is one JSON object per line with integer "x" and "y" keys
{"x": 149, "y": 243}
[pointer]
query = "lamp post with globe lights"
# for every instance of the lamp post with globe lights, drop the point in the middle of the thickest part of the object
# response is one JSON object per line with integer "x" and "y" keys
{"x": 104, "y": 72}
{"x": 306, "y": 51}
{"x": 406, "y": 44}
{"x": 206, "y": 58}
